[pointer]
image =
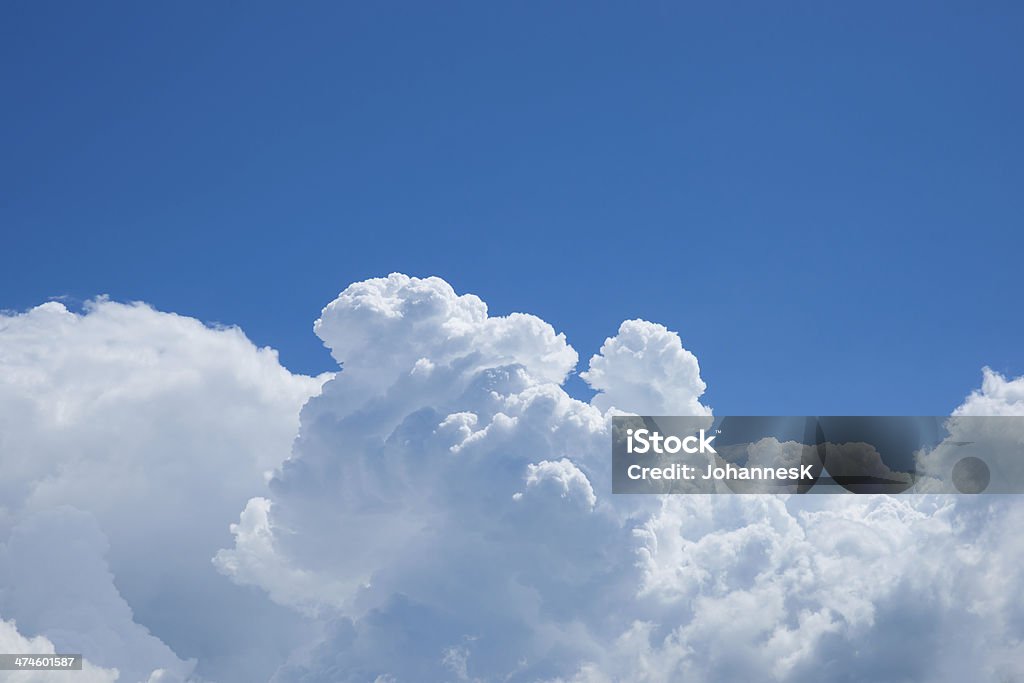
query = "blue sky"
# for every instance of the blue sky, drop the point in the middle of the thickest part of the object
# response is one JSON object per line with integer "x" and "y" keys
{"x": 824, "y": 201}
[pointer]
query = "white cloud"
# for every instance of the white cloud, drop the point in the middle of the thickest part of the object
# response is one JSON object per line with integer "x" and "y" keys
{"x": 644, "y": 369}
{"x": 997, "y": 396}
{"x": 978, "y": 429}
{"x": 449, "y": 505}
{"x": 567, "y": 479}
{"x": 830, "y": 588}
{"x": 381, "y": 327}
{"x": 148, "y": 430}
{"x": 445, "y": 515}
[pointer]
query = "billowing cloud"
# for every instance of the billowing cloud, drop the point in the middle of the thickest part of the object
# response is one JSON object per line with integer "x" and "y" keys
{"x": 644, "y": 369}
{"x": 127, "y": 437}
{"x": 997, "y": 396}
{"x": 825, "y": 588}
{"x": 445, "y": 515}
{"x": 445, "y": 482}
{"x": 978, "y": 431}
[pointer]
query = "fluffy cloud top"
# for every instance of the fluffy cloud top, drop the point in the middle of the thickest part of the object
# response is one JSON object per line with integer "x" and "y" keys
{"x": 997, "y": 396}
{"x": 381, "y": 327}
{"x": 644, "y": 369}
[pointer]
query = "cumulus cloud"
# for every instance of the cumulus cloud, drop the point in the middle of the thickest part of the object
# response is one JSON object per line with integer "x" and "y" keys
{"x": 448, "y": 508}
{"x": 826, "y": 588}
{"x": 644, "y": 369}
{"x": 978, "y": 430}
{"x": 127, "y": 437}
{"x": 445, "y": 515}
{"x": 431, "y": 489}
{"x": 997, "y": 396}
{"x": 380, "y": 328}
